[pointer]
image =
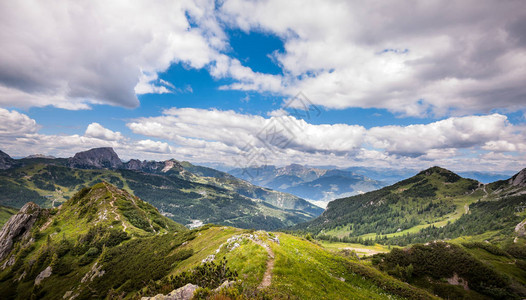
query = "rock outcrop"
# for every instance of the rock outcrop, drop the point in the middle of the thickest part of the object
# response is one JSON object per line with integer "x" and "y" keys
{"x": 183, "y": 293}
{"x": 43, "y": 275}
{"x": 97, "y": 158}
{"x": 6, "y": 161}
{"x": 154, "y": 166}
{"x": 18, "y": 226}
{"x": 519, "y": 179}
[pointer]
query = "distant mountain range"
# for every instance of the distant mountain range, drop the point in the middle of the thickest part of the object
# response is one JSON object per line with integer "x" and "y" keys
{"x": 180, "y": 190}
{"x": 388, "y": 176}
{"x": 322, "y": 185}
{"x": 317, "y": 185}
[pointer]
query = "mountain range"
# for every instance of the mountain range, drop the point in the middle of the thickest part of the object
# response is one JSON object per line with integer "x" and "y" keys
{"x": 314, "y": 184}
{"x": 186, "y": 193}
{"x": 100, "y": 240}
{"x": 324, "y": 184}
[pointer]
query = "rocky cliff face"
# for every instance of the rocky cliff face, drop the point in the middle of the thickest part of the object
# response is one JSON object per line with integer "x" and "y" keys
{"x": 154, "y": 166}
{"x": 97, "y": 158}
{"x": 18, "y": 227}
{"x": 519, "y": 179}
{"x": 6, "y": 161}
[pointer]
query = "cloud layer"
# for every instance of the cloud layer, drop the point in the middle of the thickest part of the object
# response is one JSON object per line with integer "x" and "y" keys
{"x": 72, "y": 54}
{"x": 233, "y": 138}
{"x": 483, "y": 143}
{"x": 412, "y": 58}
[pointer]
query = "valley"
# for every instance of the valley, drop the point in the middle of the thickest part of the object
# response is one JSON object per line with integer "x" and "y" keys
{"x": 207, "y": 195}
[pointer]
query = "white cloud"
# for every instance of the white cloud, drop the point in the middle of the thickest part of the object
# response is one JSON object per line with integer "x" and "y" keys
{"x": 240, "y": 139}
{"x": 454, "y": 132}
{"x": 19, "y": 137}
{"x": 411, "y": 58}
{"x": 153, "y": 146}
{"x": 95, "y": 52}
{"x": 95, "y": 130}
{"x": 14, "y": 124}
{"x": 434, "y": 58}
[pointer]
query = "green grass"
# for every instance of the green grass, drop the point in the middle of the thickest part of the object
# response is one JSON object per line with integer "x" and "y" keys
{"x": 358, "y": 248}
{"x": 6, "y": 213}
{"x": 307, "y": 271}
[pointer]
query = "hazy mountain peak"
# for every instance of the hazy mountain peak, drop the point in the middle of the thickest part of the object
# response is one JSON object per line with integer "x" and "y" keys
{"x": 38, "y": 155}
{"x": 104, "y": 157}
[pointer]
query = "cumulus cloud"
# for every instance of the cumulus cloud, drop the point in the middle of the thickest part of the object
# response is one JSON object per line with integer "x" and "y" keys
{"x": 488, "y": 142}
{"x": 454, "y": 132}
{"x": 441, "y": 59}
{"x": 96, "y": 52}
{"x": 15, "y": 124}
{"x": 230, "y": 137}
{"x": 95, "y": 130}
{"x": 153, "y": 146}
{"x": 411, "y": 58}
{"x": 19, "y": 136}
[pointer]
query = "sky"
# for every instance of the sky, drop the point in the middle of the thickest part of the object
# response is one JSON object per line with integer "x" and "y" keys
{"x": 400, "y": 84}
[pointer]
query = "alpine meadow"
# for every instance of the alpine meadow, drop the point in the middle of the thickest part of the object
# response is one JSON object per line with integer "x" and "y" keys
{"x": 262, "y": 149}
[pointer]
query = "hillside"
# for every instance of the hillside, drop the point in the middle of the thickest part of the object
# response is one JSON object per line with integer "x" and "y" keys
{"x": 185, "y": 197}
{"x": 317, "y": 185}
{"x": 452, "y": 271}
{"x": 435, "y": 204}
{"x": 106, "y": 243}
{"x": 498, "y": 216}
{"x": 433, "y": 196}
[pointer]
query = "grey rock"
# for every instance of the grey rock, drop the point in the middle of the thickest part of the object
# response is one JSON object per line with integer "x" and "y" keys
{"x": 18, "y": 226}
{"x": 519, "y": 179}
{"x": 6, "y": 161}
{"x": 97, "y": 158}
{"x": 154, "y": 166}
{"x": 43, "y": 275}
{"x": 183, "y": 293}
{"x": 225, "y": 285}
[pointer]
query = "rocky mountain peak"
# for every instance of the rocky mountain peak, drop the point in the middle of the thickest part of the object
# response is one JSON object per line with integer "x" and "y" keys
{"x": 96, "y": 158}
{"x": 519, "y": 179}
{"x": 6, "y": 161}
{"x": 18, "y": 226}
{"x": 154, "y": 166}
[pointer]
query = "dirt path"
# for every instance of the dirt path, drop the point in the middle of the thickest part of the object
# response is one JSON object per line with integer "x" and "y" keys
{"x": 117, "y": 216}
{"x": 466, "y": 208}
{"x": 267, "y": 277}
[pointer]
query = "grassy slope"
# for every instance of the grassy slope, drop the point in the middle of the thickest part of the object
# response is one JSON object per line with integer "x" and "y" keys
{"x": 87, "y": 232}
{"x": 433, "y": 197}
{"x": 489, "y": 271}
{"x": 6, "y": 213}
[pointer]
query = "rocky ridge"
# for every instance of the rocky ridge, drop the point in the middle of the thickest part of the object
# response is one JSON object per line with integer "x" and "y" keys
{"x": 6, "y": 161}
{"x": 18, "y": 227}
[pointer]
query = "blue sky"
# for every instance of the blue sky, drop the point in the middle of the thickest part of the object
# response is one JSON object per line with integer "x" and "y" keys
{"x": 202, "y": 81}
